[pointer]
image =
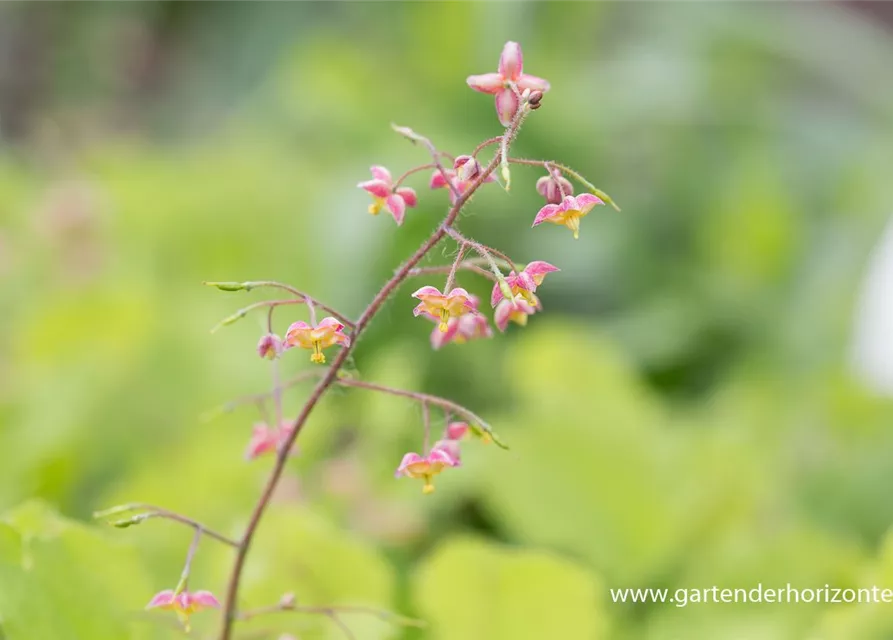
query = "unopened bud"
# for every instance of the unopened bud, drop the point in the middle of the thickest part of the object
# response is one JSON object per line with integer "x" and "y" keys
{"x": 287, "y": 601}
{"x": 269, "y": 346}
{"x": 467, "y": 168}
{"x": 534, "y": 99}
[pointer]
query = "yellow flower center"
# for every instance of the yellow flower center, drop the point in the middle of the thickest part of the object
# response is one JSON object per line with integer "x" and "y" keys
{"x": 376, "y": 206}
{"x": 444, "y": 320}
{"x": 429, "y": 486}
{"x": 317, "y": 356}
{"x": 572, "y": 220}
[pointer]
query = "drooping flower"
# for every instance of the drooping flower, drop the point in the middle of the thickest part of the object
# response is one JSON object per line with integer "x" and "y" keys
{"x": 515, "y": 310}
{"x": 265, "y": 439}
{"x": 269, "y": 346}
{"x": 461, "y": 430}
{"x": 465, "y": 170}
{"x": 457, "y": 430}
{"x": 384, "y": 195}
{"x": 451, "y": 448}
{"x": 554, "y": 187}
{"x": 569, "y": 212}
{"x": 325, "y": 334}
{"x": 469, "y": 326}
{"x": 442, "y": 305}
{"x": 508, "y": 82}
{"x": 183, "y": 603}
{"x": 425, "y": 467}
{"x": 524, "y": 284}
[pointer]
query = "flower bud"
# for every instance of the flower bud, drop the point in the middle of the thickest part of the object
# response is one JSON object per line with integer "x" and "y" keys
{"x": 287, "y": 601}
{"x": 534, "y": 99}
{"x": 554, "y": 187}
{"x": 467, "y": 168}
{"x": 269, "y": 346}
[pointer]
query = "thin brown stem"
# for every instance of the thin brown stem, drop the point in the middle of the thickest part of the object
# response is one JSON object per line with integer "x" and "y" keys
{"x": 190, "y": 555}
{"x": 484, "y": 145}
{"x": 445, "y": 268}
{"x": 232, "y": 591}
{"x": 409, "y": 172}
{"x": 572, "y": 173}
{"x": 451, "y": 277}
{"x": 259, "y": 398}
{"x": 426, "y": 421}
{"x": 382, "y": 614}
{"x": 148, "y": 511}
{"x": 244, "y": 311}
{"x": 483, "y": 250}
{"x": 425, "y": 398}
{"x": 414, "y": 137}
{"x": 272, "y": 284}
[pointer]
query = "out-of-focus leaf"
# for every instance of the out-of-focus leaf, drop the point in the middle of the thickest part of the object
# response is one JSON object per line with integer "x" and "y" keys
{"x": 472, "y": 589}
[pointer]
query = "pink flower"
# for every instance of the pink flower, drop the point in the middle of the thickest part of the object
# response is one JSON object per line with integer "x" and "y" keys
{"x": 328, "y": 332}
{"x": 457, "y": 430}
{"x": 508, "y": 82}
{"x": 554, "y": 187}
{"x": 184, "y": 603}
{"x": 461, "y": 430}
{"x": 384, "y": 195}
{"x": 415, "y": 466}
{"x": 451, "y": 448}
{"x": 442, "y": 305}
{"x": 515, "y": 310}
{"x": 465, "y": 170}
{"x": 524, "y": 284}
{"x": 469, "y": 326}
{"x": 265, "y": 439}
{"x": 269, "y": 346}
{"x": 568, "y": 212}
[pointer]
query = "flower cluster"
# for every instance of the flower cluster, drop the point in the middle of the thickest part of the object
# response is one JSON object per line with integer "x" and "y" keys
{"x": 455, "y": 312}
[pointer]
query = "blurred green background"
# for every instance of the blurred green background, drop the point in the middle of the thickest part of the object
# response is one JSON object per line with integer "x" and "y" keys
{"x": 684, "y": 413}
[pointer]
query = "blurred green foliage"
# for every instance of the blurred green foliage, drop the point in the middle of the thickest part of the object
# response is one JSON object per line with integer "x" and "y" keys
{"x": 682, "y": 415}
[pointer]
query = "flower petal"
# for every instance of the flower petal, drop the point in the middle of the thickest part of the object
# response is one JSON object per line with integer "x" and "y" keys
{"x": 205, "y": 599}
{"x": 440, "y": 338}
{"x": 486, "y": 82}
{"x": 506, "y": 106}
{"x": 408, "y": 195}
{"x": 380, "y": 173}
{"x": 396, "y": 205}
{"x": 161, "y": 599}
{"x": 585, "y": 202}
{"x": 329, "y": 322}
{"x": 533, "y": 83}
{"x": 456, "y": 430}
{"x": 408, "y": 459}
{"x": 378, "y": 188}
{"x": 427, "y": 291}
{"x": 545, "y": 213}
{"x": 496, "y": 295}
{"x": 438, "y": 180}
{"x": 502, "y": 314}
{"x": 539, "y": 268}
{"x": 511, "y": 62}
{"x": 442, "y": 457}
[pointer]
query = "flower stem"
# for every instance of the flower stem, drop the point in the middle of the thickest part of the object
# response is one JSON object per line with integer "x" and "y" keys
{"x": 574, "y": 174}
{"x": 304, "y": 297}
{"x": 331, "y": 377}
{"x": 409, "y": 172}
{"x": 148, "y": 511}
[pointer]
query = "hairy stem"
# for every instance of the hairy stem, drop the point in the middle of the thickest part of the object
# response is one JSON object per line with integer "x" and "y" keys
{"x": 446, "y": 268}
{"x": 331, "y": 376}
{"x": 409, "y": 172}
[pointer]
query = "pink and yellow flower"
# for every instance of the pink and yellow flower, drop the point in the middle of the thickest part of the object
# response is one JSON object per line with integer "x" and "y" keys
{"x": 508, "y": 82}
{"x": 183, "y": 603}
{"x": 524, "y": 284}
{"x": 469, "y": 326}
{"x": 515, "y": 310}
{"x": 325, "y": 334}
{"x": 381, "y": 187}
{"x": 265, "y": 439}
{"x": 442, "y": 306}
{"x": 554, "y": 187}
{"x": 569, "y": 212}
{"x": 426, "y": 467}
